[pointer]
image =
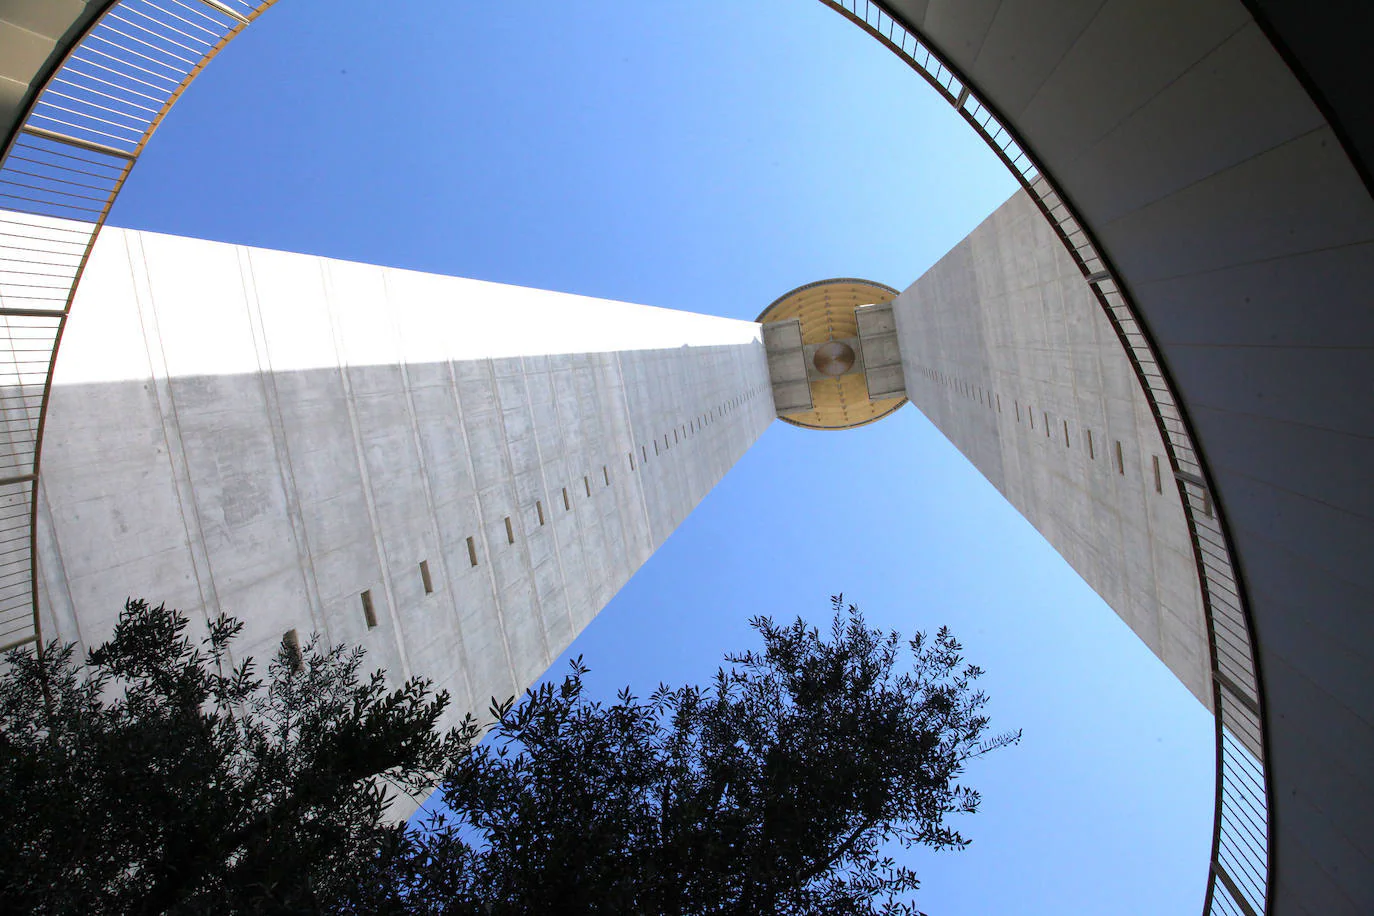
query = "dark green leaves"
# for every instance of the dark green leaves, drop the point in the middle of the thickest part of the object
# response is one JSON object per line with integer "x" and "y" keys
{"x": 774, "y": 790}
{"x": 162, "y": 779}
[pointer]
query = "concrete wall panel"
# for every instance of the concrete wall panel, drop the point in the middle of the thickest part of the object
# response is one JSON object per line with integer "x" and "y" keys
{"x": 270, "y": 435}
{"x": 1006, "y": 350}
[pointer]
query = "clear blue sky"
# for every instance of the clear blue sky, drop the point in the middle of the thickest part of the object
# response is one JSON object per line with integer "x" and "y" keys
{"x": 710, "y": 155}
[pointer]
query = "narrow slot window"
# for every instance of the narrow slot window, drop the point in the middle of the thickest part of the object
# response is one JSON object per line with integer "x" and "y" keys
{"x": 655, "y": 447}
{"x": 425, "y": 579}
{"x": 1030, "y": 413}
{"x": 567, "y": 503}
{"x": 291, "y": 643}
{"x": 1066, "y": 434}
{"x": 675, "y": 438}
{"x": 1159, "y": 482}
{"x": 1120, "y": 459}
{"x": 369, "y": 612}
{"x": 632, "y": 460}
{"x": 510, "y": 531}
{"x": 1017, "y": 405}
{"x": 999, "y": 402}
{"x": 472, "y": 551}
{"x": 587, "y": 484}
{"x": 606, "y": 473}
{"x": 643, "y": 453}
{"x": 1092, "y": 454}
{"x": 1047, "y": 424}
{"x": 539, "y": 510}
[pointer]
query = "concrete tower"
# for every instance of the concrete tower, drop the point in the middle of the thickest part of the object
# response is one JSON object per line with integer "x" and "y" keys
{"x": 455, "y": 475}
{"x": 1003, "y": 347}
{"x": 459, "y": 475}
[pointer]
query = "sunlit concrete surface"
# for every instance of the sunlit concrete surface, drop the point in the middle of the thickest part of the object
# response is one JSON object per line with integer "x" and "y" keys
{"x": 1006, "y": 350}
{"x": 276, "y": 436}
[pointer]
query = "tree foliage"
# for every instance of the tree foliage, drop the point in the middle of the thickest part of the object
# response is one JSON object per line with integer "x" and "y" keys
{"x": 159, "y": 778}
{"x": 780, "y": 788}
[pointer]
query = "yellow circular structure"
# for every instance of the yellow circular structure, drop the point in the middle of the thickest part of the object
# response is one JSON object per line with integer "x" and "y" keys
{"x": 825, "y": 310}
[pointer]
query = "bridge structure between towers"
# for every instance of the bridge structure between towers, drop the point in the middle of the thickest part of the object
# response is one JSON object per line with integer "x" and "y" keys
{"x": 1206, "y": 165}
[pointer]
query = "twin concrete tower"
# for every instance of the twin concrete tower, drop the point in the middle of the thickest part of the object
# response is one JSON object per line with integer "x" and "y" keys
{"x": 459, "y": 475}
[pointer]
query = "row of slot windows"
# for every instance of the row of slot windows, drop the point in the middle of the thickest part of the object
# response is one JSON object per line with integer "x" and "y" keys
{"x": 697, "y": 424}
{"x": 993, "y": 401}
{"x": 691, "y": 427}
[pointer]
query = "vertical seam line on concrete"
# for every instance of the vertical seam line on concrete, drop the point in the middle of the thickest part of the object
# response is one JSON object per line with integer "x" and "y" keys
{"x": 176, "y": 447}
{"x": 630, "y": 422}
{"x": 425, "y": 486}
{"x": 564, "y": 467}
{"x": 596, "y": 362}
{"x": 360, "y": 455}
{"x": 577, "y": 527}
{"x": 490, "y": 570}
{"x": 515, "y": 508}
{"x": 61, "y": 572}
{"x": 544, "y": 488}
{"x": 608, "y": 374}
{"x": 277, "y": 423}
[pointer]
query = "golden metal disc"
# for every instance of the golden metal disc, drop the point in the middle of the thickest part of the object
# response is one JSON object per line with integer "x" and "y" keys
{"x": 826, "y": 313}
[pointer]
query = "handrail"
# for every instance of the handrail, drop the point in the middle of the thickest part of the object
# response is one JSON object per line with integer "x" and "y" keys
{"x": 1238, "y": 879}
{"x": 61, "y": 173}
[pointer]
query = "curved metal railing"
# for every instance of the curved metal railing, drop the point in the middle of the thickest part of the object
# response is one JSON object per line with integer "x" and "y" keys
{"x": 1238, "y": 882}
{"x": 59, "y": 177}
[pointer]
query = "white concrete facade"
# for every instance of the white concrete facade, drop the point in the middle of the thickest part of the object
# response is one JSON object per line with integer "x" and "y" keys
{"x": 1006, "y": 350}
{"x": 271, "y": 435}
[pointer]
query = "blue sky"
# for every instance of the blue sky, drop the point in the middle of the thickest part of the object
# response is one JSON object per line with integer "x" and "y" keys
{"x": 709, "y": 156}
